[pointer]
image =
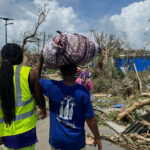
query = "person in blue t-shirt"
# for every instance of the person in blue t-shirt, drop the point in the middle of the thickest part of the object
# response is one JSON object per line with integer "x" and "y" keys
{"x": 70, "y": 107}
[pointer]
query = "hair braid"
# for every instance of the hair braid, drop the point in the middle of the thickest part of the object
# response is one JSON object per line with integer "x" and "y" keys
{"x": 11, "y": 54}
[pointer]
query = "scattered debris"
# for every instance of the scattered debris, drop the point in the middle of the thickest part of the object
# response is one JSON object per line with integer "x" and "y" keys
{"x": 123, "y": 70}
{"x": 102, "y": 100}
{"x": 114, "y": 109}
{"x": 100, "y": 95}
{"x": 118, "y": 106}
{"x": 142, "y": 126}
{"x": 109, "y": 95}
{"x": 134, "y": 137}
{"x": 100, "y": 110}
{"x": 117, "y": 128}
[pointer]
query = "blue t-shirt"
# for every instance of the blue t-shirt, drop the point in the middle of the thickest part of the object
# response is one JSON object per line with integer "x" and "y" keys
{"x": 69, "y": 106}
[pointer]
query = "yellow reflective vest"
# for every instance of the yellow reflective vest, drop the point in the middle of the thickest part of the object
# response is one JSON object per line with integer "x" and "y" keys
{"x": 25, "y": 105}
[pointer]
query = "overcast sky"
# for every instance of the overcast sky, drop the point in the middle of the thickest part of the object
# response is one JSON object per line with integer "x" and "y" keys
{"x": 125, "y": 18}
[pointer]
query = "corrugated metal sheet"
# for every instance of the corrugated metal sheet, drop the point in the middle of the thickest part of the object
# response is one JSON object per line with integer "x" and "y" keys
{"x": 142, "y": 63}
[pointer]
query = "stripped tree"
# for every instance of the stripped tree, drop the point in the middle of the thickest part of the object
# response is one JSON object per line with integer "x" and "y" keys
{"x": 106, "y": 44}
{"x": 42, "y": 14}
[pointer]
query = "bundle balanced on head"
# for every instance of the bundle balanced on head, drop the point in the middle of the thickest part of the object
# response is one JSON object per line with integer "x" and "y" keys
{"x": 70, "y": 104}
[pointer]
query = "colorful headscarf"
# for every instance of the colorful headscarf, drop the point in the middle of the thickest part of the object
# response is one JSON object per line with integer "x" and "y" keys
{"x": 84, "y": 75}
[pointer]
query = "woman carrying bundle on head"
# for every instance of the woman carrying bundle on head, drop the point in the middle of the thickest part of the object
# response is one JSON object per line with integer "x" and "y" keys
{"x": 19, "y": 92}
{"x": 70, "y": 104}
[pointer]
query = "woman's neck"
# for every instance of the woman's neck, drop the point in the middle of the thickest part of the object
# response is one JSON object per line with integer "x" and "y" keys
{"x": 69, "y": 80}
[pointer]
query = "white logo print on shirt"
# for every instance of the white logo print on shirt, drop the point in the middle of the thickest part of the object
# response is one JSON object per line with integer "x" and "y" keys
{"x": 67, "y": 112}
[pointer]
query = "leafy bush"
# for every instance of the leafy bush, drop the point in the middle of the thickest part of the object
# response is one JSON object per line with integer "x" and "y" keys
{"x": 104, "y": 80}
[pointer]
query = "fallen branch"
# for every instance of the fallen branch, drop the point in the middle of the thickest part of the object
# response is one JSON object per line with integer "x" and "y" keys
{"x": 101, "y": 111}
{"x": 122, "y": 140}
{"x": 140, "y": 137}
{"x": 105, "y": 137}
{"x": 145, "y": 94}
{"x": 140, "y": 83}
{"x": 146, "y": 123}
{"x": 100, "y": 95}
{"x": 135, "y": 106}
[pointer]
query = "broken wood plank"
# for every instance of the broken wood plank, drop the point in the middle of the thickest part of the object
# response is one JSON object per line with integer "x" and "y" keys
{"x": 100, "y": 95}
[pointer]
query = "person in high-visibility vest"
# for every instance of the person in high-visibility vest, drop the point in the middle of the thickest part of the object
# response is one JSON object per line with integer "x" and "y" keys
{"x": 19, "y": 93}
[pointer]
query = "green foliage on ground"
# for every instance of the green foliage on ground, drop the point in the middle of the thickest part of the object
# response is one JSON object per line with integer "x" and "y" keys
{"x": 104, "y": 80}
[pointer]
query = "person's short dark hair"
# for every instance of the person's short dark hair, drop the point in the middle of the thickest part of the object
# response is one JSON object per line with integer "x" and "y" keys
{"x": 68, "y": 70}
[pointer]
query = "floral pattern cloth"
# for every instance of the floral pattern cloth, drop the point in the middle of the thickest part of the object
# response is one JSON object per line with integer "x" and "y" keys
{"x": 84, "y": 79}
{"x": 68, "y": 49}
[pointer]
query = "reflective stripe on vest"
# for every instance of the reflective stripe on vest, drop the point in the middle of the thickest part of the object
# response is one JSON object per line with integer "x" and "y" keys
{"x": 22, "y": 116}
{"x": 19, "y": 101}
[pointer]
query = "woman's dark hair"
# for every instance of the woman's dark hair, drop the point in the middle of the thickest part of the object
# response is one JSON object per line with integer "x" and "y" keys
{"x": 11, "y": 54}
{"x": 68, "y": 70}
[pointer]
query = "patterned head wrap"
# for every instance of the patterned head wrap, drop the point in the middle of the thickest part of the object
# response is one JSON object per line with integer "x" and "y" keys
{"x": 84, "y": 75}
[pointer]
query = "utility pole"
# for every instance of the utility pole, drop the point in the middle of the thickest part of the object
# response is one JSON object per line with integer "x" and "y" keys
{"x": 6, "y": 20}
{"x": 44, "y": 38}
{"x": 38, "y": 40}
